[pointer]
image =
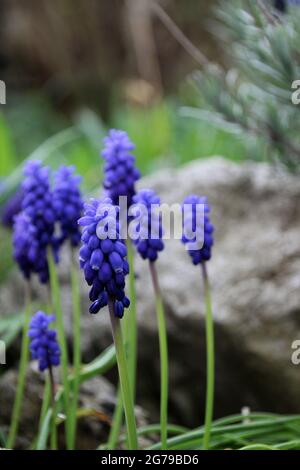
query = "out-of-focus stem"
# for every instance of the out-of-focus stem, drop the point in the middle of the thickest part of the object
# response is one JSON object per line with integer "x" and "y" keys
{"x": 44, "y": 409}
{"x": 163, "y": 349}
{"x": 22, "y": 371}
{"x": 131, "y": 323}
{"x": 76, "y": 348}
{"x": 53, "y": 440}
{"x": 56, "y": 301}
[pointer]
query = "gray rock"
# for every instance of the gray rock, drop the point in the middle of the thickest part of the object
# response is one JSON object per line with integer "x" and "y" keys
{"x": 255, "y": 280}
{"x": 96, "y": 401}
{"x": 96, "y": 394}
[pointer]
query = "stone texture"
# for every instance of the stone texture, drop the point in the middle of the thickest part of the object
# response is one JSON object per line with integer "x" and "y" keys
{"x": 96, "y": 402}
{"x": 96, "y": 394}
{"x": 255, "y": 279}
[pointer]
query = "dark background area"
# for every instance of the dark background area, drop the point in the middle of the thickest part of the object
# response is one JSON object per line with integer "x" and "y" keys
{"x": 87, "y": 52}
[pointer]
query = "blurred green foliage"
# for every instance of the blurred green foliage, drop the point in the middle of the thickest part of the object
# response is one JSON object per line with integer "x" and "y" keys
{"x": 31, "y": 119}
{"x": 160, "y": 132}
{"x": 7, "y": 150}
{"x": 163, "y": 138}
{"x": 253, "y": 98}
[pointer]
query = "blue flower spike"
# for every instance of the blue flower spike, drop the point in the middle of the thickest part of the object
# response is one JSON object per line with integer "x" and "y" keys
{"x": 68, "y": 204}
{"x": 190, "y": 205}
{"x": 103, "y": 260}
{"x": 149, "y": 240}
{"x": 43, "y": 343}
{"x": 120, "y": 172}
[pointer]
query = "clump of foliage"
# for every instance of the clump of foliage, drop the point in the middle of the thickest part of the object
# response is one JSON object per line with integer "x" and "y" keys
{"x": 253, "y": 98}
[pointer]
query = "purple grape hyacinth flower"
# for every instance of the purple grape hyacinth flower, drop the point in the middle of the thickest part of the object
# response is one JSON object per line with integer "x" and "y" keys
{"x": 26, "y": 247}
{"x": 43, "y": 342}
{"x": 203, "y": 253}
{"x": 149, "y": 242}
{"x": 68, "y": 204}
{"x": 103, "y": 260}
{"x": 38, "y": 207}
{"x": 12, "y": 208}
{"x": 120, "y": 173}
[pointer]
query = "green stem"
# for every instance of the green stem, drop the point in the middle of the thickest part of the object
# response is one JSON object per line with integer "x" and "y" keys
{"x": 48, "y": 386}
{"x": 44, "y": 409}
{"x": 46, "y": 401}
{"x": 131, "y": 324}
{"x": 76, "y": 348}
{"x": 163, "y": 349}
{"x": 123, "y": 378}
{"x": 56, "y": 300}
{"x": 210, "y": 360}
{"x": 53, "y": 440}
{"x": 116, "y": 423}
{"x": 130, "y": 338}
{"x": 22, "y": 372}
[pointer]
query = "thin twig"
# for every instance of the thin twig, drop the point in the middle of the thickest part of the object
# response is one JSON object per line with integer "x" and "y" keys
{"x": 274, "y": 20}
{"x": 176, "y": 32}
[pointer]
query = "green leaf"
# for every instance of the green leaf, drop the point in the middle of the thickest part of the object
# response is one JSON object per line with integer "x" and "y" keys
{"x": 10, "y": 327}
{"x": 105, "y": 361}
{"x": 7, "y": 151}
{"x": 192, "y": 439}
{"x": 41, "y": 443}
{"x": 42, "y": 153}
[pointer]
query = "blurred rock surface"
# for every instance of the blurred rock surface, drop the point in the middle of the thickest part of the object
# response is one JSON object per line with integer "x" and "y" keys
{"x": 97, "y": 395}
{"x": 97, "y": 402}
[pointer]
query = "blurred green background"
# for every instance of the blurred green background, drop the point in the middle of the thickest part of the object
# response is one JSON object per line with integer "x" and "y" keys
{"x": 78, "y": 65}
